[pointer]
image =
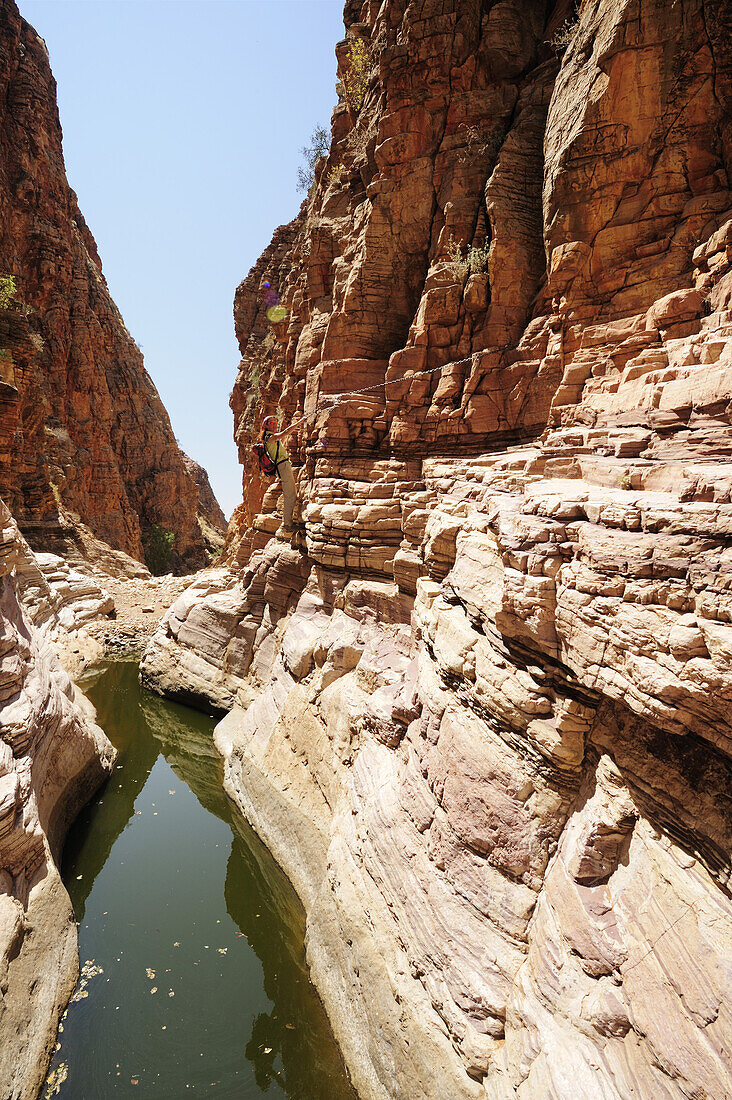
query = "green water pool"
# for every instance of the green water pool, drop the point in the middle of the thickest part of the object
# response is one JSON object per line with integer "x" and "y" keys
{"x": 190, "y": 936}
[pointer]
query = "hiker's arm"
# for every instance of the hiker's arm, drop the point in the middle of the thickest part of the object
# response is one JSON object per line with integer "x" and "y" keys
{"x": 287, "y": 431}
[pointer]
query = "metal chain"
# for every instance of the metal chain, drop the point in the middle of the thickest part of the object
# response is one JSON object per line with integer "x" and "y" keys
{"x": 331, "y": 400}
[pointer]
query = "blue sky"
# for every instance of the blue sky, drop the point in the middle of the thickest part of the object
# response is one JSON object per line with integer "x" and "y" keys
{"x": 183, "y": 122}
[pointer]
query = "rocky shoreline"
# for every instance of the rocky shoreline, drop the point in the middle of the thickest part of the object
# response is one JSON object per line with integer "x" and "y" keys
{"x": 56, "y": 621}
{"x": 54, "y": 757}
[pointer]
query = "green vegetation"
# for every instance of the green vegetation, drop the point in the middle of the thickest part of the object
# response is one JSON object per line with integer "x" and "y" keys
{"x": 318, "y": 147}
{"x": 474, "y": 260}
{"x": 9, "y": 296}
{"x": 157, "y": 544}
{"x": 335, "y": 172}
{"x": 355, "y": 77}
{"x": 8, "y": 290}
{"x": 13, "y": 321}
{"x": 8, "y": 326}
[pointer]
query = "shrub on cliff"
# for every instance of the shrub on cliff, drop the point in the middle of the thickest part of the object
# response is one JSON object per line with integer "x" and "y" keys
{"x": 318, "y": 147}
{"x": 8, "y": 290}
{"x": 157, "y": 544}
{"x": 361, "y": 140}
{"x": 355, "y": 76}
{"x": 474, "y": 260}
{"x": 13, "y": 320}
{"x": 336, "y": 172}
{"x": 564, "y": 35}
{"x": 9, "y": 296}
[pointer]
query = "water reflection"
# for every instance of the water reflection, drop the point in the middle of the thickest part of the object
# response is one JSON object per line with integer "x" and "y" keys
{"x": 185, "y": 739}
{"x": 265, "y": 908}
{"x": 273, "y": 920}
{"x": 100, "y": 823}
{"x": 170, "y": 884}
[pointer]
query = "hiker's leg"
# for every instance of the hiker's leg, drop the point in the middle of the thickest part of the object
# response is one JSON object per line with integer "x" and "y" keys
{"x": 289, "y": 492}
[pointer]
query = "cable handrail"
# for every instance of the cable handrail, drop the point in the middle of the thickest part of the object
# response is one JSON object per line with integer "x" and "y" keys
{"x": 331, "y": 400}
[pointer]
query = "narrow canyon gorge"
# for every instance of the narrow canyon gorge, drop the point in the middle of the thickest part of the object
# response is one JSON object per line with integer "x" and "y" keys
{"x": 478, "y": 705}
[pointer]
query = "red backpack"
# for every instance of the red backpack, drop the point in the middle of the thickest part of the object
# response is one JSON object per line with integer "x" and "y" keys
{"x": 266, "y": 464}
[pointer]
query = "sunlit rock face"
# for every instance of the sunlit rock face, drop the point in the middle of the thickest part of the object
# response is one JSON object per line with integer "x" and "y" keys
{"x": 481, "y": 710}
{"x": 209, "y": 508}
{"x": 52, "y": 757}
{"x": 83, "y": 432}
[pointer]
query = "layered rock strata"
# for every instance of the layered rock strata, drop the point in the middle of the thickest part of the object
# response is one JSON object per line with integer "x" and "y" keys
{"x": 480, "y": 709}
{"x": 208, "y": 506}
{"x": 52, "y": 758}
{"x": 62, "y": 603}
{"x": 83, "y": 432}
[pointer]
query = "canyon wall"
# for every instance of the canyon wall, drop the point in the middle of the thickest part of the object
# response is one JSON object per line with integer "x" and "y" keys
{"x": 52, "y": 758}
{"x": 479, "y": 706}
{"x": 83, "y": 432}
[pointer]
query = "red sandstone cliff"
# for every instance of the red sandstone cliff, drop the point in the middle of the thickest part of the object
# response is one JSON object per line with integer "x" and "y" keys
{"x": 208, "y": 506}
{"x": 481, "y": 714}
{"x": 591, "y": 176}
{"x": 83, "y": 432}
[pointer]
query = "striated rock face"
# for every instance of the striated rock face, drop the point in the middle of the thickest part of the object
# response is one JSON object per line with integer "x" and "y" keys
{"x": 62, "y": 602}
{"x": 211, "y": 519}
{"x": 481, "y": 713}
{"x": 83, "y": 432}
{"x": 208, "y": 506}
{"x": 52, "y": 758}
{"x": 57, "y": 595}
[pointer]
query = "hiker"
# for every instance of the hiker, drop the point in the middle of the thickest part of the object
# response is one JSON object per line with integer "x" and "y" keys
{"x": 280, "y": 464}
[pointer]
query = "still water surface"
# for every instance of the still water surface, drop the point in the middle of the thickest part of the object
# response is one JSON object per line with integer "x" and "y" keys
{"x": 198, "y": 934}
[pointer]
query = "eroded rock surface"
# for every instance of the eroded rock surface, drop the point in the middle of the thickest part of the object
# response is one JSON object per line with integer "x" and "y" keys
{"x": 208, "y": 506}
{"x": 479, "y": 709}
{"x": 83, "y": 432}
{"x": 52, "y": 758}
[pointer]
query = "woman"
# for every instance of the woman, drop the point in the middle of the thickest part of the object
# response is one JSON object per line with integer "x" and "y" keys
{"x": 271, "y": 439}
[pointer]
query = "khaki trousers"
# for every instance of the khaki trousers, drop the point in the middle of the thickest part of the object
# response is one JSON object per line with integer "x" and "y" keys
{"x": 289, "y": 492}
